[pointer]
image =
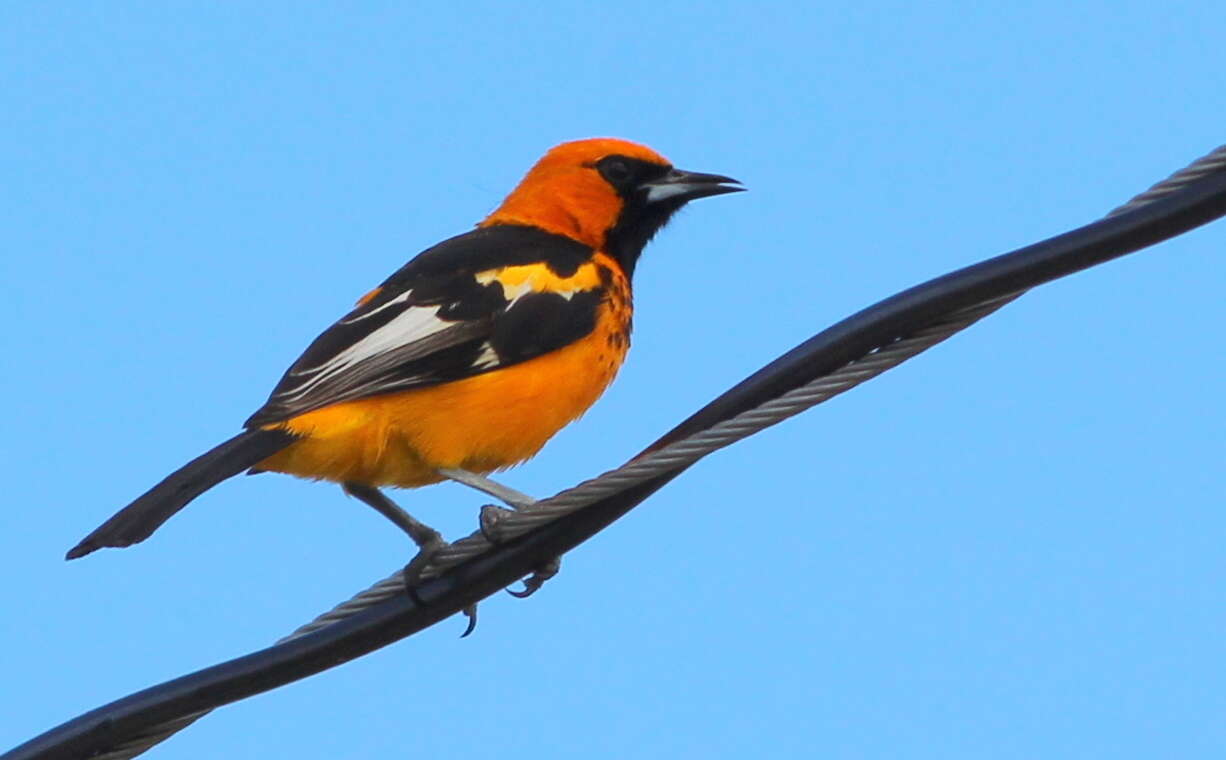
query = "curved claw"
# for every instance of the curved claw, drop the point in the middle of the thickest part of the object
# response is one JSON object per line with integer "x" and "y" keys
{"x": 531, "y": 586}
{"x": 470, "y": 612}
{"x": 533, "y": 583}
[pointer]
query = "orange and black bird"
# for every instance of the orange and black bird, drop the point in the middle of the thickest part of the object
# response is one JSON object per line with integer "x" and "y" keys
{"x": 470, "y": 357}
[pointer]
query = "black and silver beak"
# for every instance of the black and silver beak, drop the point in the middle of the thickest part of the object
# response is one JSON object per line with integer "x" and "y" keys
{"x": 684, "y": 186}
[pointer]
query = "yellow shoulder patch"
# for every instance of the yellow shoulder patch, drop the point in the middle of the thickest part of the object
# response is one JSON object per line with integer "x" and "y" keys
{"x": 539, "y": 278}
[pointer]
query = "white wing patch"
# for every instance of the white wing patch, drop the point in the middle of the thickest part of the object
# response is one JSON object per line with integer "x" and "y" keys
{"x": 413, "y": 325}
{"x": 442, "y": 320}
{"x": 487, "y": 358}
{"x": 358, "y": 318}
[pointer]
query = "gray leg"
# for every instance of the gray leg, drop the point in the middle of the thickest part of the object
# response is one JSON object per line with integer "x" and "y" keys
{"x": 483, "y": 484}
{"x": 428, "y": 540}
{"x": 423, "y": 535}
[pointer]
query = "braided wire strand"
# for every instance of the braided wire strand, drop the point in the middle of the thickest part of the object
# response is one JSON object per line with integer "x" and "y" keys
{"x": 667, "y": 459}
{"x": 690, "y": 450}
{"x": 679, "y": 454}
{"x": 1205, "y": 165}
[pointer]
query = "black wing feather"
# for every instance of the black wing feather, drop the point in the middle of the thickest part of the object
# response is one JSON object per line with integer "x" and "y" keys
{"x": 485, "y": 330}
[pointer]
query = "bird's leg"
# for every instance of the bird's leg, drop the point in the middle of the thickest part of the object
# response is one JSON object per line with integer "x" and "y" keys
{"x": 429, "y": 541}
{"x": 515, "y": 499}
{"x": 491, "y": 515}
{"x": 423, "y": 535}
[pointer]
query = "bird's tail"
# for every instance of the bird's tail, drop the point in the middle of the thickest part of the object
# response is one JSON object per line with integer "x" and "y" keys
{"x": 135, "y": 522}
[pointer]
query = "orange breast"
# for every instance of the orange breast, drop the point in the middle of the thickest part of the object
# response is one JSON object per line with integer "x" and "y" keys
{"x": 481, "y": 423}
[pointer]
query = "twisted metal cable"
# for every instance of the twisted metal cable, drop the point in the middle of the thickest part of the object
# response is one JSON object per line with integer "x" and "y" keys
{"x": 675, "y": 456}
{"x": 679, "y": 454}
{"x": 683, "y": 453}
{"x": 144, "y": 742}
{"x": 1203, "y": 166}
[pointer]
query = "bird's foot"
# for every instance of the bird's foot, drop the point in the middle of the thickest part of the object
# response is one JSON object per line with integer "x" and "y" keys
{"x": 429, "y": 541}
{"x": 412, "y": 574}
{"x": 490, "y": 522}
{"x": 533, "y": 582}
{"x": 427, "y": 550}
{"x": 491, "y": 516}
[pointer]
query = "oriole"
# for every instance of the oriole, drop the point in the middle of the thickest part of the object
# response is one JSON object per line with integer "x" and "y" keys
{"x": 470, "y": 357}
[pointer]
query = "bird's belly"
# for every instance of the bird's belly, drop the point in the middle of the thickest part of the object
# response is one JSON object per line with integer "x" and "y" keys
{"x": 481, "y": 423}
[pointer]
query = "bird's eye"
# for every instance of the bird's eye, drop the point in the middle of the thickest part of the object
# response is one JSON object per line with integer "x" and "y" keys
{"x": 616, "y": 171}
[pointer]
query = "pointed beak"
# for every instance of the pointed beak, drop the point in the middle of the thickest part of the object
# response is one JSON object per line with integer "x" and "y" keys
{"x": 686, "y": 186}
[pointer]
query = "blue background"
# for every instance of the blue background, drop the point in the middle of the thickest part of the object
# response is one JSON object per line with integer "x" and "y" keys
{"x": 1008, "y": 548}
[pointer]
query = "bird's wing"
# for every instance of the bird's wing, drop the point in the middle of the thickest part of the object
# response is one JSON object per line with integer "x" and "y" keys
{"x": 488, "y": 299}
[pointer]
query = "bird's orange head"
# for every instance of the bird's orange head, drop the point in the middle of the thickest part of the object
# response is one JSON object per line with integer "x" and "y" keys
{"x": 610, "y": 194}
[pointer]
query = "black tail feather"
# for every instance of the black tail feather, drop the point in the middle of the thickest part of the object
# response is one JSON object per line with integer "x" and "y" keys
{"x": 135, "y": 522}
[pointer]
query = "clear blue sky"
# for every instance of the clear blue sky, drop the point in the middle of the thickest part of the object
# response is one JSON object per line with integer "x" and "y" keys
{"x": 1008, "y": 548}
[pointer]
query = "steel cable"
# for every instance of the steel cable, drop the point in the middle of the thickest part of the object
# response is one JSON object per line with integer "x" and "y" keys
{"x": 667, "y": 459}
{"x": 657, "y": 465}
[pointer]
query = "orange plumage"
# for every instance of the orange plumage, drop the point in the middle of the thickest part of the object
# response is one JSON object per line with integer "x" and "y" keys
{"x": 482, "y": 423}
{"x": 564, "y": 194}
{"x": 471, "y": 356}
